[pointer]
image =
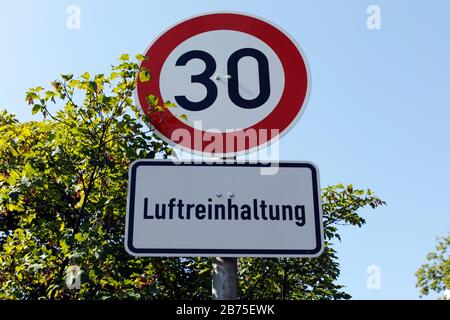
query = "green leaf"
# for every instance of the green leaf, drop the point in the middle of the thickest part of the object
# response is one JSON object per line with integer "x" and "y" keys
{"x": 29, "y": 218}
{"x": 67, "y": 77}
{"x": 169, "y": 104}
{"x": 79, "y": 237}
{"x": 64, "y": 246}
{"x": 141, "y": 57}
{"x": 36, "y": 108}
{"x": 30, "y": 97}
{"x": 74, "y": 83}
{"x": 113, "y": 75}
{"x": 86, "y": 76}
{"x": 144, "y": 75}
{"x": 124, "y": 57}
{"x": 152, "y": 100}
{"x": 29, "y": 170}
{"x": 49, "y": 94}
{"x": 183, "y": 116}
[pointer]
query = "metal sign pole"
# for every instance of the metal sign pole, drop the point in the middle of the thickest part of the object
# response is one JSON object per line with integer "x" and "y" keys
{"x": 224, "y": 277}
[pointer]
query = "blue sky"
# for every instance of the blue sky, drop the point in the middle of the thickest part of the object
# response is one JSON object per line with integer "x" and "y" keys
{"x": 377, "y": 116}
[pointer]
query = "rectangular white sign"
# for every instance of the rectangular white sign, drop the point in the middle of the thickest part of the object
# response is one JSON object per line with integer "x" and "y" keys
{"x": 228, "y": 210}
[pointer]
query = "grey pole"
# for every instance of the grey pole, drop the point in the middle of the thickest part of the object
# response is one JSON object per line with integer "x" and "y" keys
{"x": 224, "y": 278}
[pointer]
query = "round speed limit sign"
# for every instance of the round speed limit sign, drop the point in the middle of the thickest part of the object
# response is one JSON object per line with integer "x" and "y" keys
{"x": 238, "y": 83}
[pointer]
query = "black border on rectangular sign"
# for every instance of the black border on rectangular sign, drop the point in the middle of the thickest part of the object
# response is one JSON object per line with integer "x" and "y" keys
{"x": 217, "y": 252}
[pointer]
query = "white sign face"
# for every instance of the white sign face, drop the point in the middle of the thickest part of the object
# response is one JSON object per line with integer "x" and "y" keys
{"x": 223, "y": 114}
{"x": 228, "y": 210}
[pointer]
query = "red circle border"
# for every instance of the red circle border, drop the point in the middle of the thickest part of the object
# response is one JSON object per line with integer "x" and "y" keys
{"x": 287, "y": 110}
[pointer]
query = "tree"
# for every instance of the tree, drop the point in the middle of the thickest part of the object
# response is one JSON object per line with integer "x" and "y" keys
{"x": 309, "y": 278}
{"x": 63, "y": 192}
{"x": 63, "y": 186}
{"x": 435, "y": 275}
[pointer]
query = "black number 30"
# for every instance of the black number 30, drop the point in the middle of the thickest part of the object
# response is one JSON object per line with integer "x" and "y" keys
{"x": 204, "y": 78}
